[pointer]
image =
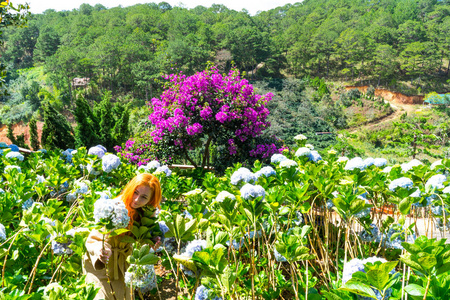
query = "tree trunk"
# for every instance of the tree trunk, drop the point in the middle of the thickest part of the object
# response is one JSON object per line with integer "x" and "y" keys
{"x": 206, "y": 153}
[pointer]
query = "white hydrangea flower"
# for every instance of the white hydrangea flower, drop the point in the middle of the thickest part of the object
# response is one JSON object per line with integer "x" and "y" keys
{"x": 14, "y": 154}
{"x": 242, "y": 175}
{"x": 193, "y": 192}
{"x": 110, "y": 162}
{"x": 54, "y": 286}
{"x": 380, "y": 162}
{"x": 288, "y": 163}
{"x": 96, "y": 150}
{"x": 113, "y": 212}
{"x": 355, "y": 163}
{"x": 403, "y": 182}
{"x": 164, "y": 169}
{"x": 153, "y": 165}
{"x": 309, "y": 146}
{"x": 446, "y": 190}
{"x": 40, "y": 179}
{"x": 277, "y": 158}
{"x": 387, "y": 170}
{"x": 91, "y": 170}
{"x": 409, "y": 165}
{"x": 342, "y": 159}
{"x": 224, "y": 195}
{"x": 300, "y": 137}
{"x": 303, "y": 151}
{"x": 435, "y": 164}
{"x": 12, "y": 167}
{"x": 436, "y": 182}
{"x": 369, "y": 161}
{"x": 249, "y": 191}
{"x": 2, "y": 232}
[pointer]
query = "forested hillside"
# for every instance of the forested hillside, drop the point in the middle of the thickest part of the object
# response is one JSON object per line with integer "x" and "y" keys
{"x": 125, "y": 49}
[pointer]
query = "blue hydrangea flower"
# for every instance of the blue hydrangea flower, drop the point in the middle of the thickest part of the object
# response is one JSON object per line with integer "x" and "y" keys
{"x": 104, "y": 195}
{"x": 315, "y": 156}
{"x": 27, "y": 204}
{"x": 14, "y": 148}
{"x": 141, "y": 276}
{"x": 81, "y": 186}
{"x": 12, "y": 167}
{"x": 203, "y": 293}
{"x": 369, "y": 161}
{"x": 303, "y": 151}
{"x": 194, "y": 246}
{"x": 61, "y": 248}
{"x": 102, "y": 147}
{"x": 409, "y": 165}
{"x": 266, "y": 171}
{"x": 42, "y": 150}
{"x": 224, "y": 195}
{"x": 91, "y": 170}
{"x": 110, "y": 162}
{"x": 357, "y": 265}
{"x": 278, "y": 256}
{"x": 380, "y": 162}
{"x": 397, "y": 242}
{"x": 70, "y": 197}
{"x": 373, "y": 236}
{"x": 439, "y": 211}
{"x": 2, "y": 232}
{"x": 3, "y": 145}
{"x": 288, "y": 163}
{"x": 96, "y": 150}
{"x": 163, "y": 227}
{"x": 163, "y": 169}
{"x": 249, "y": 191}
{"x": 403, "y": 182}
{"x": 277, "y": 158}
{"x": 242, "y": 175}
{"x": 355, "y": 163}
{"x": 14, "y": 154}
{"x": 68, "y": 155}
{"x": 436, "y": 182}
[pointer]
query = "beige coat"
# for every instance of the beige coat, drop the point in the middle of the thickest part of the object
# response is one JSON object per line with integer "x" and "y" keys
{"x": 95, "y": 270}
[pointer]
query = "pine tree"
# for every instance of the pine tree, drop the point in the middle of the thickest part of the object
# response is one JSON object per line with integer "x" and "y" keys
{"x": 106, "y": 118}
{"x": 10, "y": 134}
{"x": 34, "y": 139}
{"x": 56, "y": 132}
{"x": 120, "y": 130}
{"x": 87, "y": 130}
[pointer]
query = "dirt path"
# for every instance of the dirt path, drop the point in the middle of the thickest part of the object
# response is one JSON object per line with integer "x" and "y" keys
{"x": 400, "y": 104}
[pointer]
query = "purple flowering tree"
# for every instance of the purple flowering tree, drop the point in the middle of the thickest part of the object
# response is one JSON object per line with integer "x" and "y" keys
{"x": 207, "y": 111}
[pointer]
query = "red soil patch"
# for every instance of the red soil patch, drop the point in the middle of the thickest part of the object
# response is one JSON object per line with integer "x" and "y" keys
{"x": 18, "y": 129}
{"x": 391, "y": 96}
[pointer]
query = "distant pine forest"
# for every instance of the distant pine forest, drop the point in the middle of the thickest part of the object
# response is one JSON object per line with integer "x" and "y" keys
{"x": 126, "y": 49}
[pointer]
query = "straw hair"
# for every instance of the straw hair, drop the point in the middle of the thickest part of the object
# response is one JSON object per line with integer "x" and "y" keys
{"x": 128, "y": 192}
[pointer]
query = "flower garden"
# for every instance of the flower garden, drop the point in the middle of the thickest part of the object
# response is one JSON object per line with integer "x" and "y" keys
{"x": 267, "y": 222}
{"x": 308, "y": 225}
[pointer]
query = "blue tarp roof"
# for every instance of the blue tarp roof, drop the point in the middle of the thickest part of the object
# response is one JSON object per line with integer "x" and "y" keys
{"x": 438, "y": 99}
